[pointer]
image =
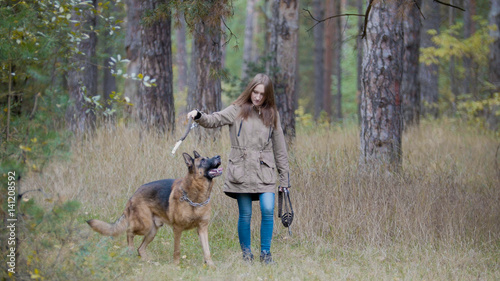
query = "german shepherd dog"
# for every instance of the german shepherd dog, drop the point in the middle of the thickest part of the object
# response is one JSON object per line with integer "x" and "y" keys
{"x": 182, "y": 203}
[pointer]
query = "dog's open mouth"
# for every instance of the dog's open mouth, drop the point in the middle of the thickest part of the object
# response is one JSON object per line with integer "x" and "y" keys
{"x": 215, "y": 172}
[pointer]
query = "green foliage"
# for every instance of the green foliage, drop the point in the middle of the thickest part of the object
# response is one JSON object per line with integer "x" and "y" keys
{"x": 38, "y": 44}
{"x": 476, "y": 106}
{"x": 51, "y": 245}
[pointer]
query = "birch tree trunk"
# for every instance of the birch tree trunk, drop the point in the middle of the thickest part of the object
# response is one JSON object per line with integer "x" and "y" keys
{"x": 381, "y": 120}
{"x": 82, "y": 77}
{"x": 411, "y": 83}
{"x": 156, "y": 104}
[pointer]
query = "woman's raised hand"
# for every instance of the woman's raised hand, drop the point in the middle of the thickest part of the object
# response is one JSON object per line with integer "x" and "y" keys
{"x": 192, "y": 114}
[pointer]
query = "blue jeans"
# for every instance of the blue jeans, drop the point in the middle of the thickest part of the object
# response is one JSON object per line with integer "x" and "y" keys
{"x": 245, "y": 215}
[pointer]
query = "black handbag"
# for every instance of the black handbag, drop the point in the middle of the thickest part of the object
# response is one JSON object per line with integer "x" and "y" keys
{"x": 285, "y": 211}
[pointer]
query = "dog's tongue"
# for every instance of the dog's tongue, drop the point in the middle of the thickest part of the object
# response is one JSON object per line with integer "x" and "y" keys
{"x": 215, "y": 172}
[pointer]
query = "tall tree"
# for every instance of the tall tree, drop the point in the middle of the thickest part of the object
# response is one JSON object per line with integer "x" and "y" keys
{"x": 470, "y": 79}
{"x": 204, "y": 91}
{"x": 133, "y": 50}
{"x": 181, "y": 55}
{"x": 429, "y": 74}
{"x": 411, "y": 84}
{"x": 337, "y": 29}
{"x": 329, "y": 57}
{"x": 248, "y": 42}
{"x": 381, "y": 120}
{"x": 319, "y": 50}
{"x": 82, "y": 77}
{"x": 156, "y": 104}
{"x": 452, "y": 69}
{"x": 284, "y": 45}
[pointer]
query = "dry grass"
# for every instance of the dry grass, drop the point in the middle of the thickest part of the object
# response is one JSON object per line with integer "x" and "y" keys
{"x": 438, "y": 219}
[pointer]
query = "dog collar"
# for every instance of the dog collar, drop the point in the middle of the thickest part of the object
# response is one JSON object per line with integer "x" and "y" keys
{"x": 184, "y": 197}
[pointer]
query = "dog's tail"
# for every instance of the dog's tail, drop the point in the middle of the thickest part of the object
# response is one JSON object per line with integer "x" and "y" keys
{"x": 109, "y": 229}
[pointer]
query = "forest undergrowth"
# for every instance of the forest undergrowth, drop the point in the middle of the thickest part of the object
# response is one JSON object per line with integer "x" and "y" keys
{"x": 436, "y": 219}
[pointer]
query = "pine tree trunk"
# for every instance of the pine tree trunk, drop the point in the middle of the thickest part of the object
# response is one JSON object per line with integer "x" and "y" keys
{"x": 82, "y": 77}
{"x": 156, "y": 104}
{"x": 381, "y": 120}
{"x": 338, "y": 58}
{"x": 411, "y": 85}
{"x": 205, "y": 87}
{"x": 181, "y": 56}
{"x": 429, "y": 74}
{"x": 287, "y": 29}
{"x": 248, "y": 41}
{"x": 329, "y": 57}
{"x": 453, "y": 76}
{"x": 319, "y": 50}
{"x": 469, "y": 29}
{"x": 133, "y": 49}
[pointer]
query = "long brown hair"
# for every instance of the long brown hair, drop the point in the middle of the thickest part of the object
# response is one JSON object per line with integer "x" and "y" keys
{"x": 269, "y": 112}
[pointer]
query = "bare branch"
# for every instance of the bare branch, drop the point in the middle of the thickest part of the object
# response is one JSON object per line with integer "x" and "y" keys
{"x": 328, "y": 18}
{"x": 367, "y": 13}
{"x": 231, "y": 34}
{"x": 418, "y": 7}
{"x": 449, "y": 5}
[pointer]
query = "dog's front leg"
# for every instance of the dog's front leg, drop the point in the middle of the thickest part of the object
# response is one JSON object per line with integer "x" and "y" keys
{"x": 203, "y": 234}
{"x": 177, "y": 245}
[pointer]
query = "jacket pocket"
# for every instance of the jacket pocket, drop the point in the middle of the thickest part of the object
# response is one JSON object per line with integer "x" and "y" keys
{"x": 267, "y": 173}
{"x": 236, "y": 170}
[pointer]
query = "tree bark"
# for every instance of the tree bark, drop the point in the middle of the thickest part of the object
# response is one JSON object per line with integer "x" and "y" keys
{"x": 381, "y": 120}
{"x": 319, "y": 51}
{"x": 133, "y": 49}
{"x": 411, "y": 84}
{"x": 286, "y": 28}
{"x": 429, "y": 74}
{"x": 248, "y": 41}
{"x": 82, "y": 77}
{"x": 156, "y": 104}
{"x": 205, "y": 86}
{"x": 453, "y": 76}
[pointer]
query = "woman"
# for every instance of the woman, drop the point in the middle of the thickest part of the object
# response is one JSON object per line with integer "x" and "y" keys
{"x": 257, "y": 149}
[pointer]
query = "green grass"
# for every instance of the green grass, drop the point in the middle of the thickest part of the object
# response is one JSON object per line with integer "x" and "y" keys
{"x": 436, "y": 220}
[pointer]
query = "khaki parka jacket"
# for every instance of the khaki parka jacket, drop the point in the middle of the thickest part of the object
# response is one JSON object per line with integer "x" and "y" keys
{"x": 256, "y": 152}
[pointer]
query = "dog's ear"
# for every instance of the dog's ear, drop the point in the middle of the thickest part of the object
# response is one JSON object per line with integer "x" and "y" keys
{"x": 196, "y": 154}
{"x": 188, "y": 159}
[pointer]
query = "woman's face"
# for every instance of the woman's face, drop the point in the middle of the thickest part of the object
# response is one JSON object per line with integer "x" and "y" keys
{"x": 258, "y": 95}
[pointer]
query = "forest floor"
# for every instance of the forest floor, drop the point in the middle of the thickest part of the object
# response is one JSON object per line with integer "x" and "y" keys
{"x": 436, "y": 219}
